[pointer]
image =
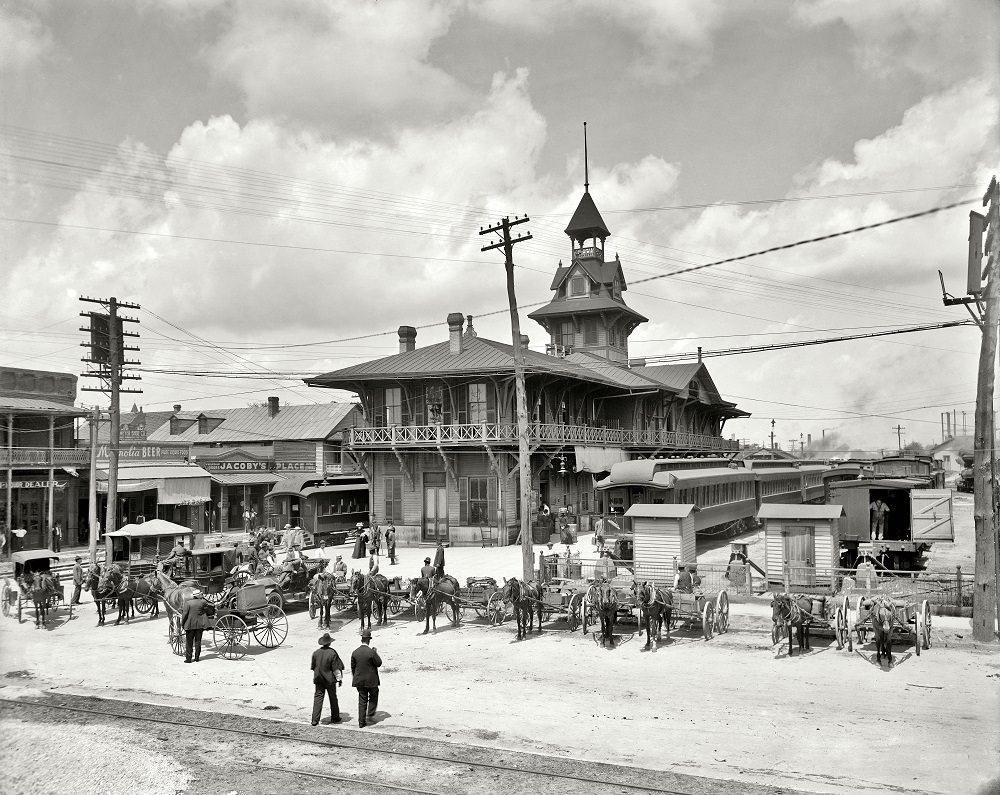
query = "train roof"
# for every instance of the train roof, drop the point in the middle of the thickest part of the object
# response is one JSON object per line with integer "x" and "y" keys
{"x": 661, "y": 510}
{"x": 779, "y": 510}
{"x": 882, "y": 483}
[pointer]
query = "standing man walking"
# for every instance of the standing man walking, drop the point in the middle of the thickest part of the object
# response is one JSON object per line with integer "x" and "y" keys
{"x": 195, "y": 617}
{"x": 439, "y": 559}
{"x": 77, "y": 581}
{"x": 56, "y": 537}
{"x": 390, "y": 543}
{"x": 328, "y": 673}
{"x": 364, "y": 668}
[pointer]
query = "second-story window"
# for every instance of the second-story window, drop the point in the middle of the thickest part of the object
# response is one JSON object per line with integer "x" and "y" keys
{"x": 578, "y": 286}
{"x": 393, "y": 406}
{"x": 482, "y": 404}
{"x": 612, "y": 336}
{"x": 566, "y": 334}
{"x": 590, "y": 331}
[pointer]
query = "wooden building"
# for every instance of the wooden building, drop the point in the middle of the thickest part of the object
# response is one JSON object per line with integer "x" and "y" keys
{"x": 664, "y": 535}
{"x": 438, "y": 437}
{"x": 805, "y": 538}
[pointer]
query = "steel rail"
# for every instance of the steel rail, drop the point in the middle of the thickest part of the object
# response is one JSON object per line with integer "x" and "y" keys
{"x": 331, "y": 744}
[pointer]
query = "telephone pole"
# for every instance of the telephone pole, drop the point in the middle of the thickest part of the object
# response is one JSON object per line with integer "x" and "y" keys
{"x": 107, "y": 357}
{"x": 772, "y": 434}
{"x": 899, "y": 436}
{"x": 984, "y": 240}
{"x": 523, "y": 453}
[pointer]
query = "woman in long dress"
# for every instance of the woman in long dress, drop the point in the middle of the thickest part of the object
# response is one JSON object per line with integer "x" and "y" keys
{"x": 359, "y": 544}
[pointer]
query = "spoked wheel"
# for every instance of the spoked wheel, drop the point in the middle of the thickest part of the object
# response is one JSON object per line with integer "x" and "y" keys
{"x": 420, "y": 606}
{"x": 573, "y": 618}
{"x": 5, "y": 595}
{"x": 144, "y": 605}
{"x": 175, "y": 636}
{"x": 721, "y": 612}
{"x": 241, "y": 578}
{"x": 275, "y": 598}
{"x": 231, "y": 637}
{"x": 777, "y": 633}
{"x": 923, "y": 627}
{"x": 215, "y": 598}
{"x": 271, "y": 628}
{"x": 496, "y": 609}
{"x": 708, "y": 619}
{"x": 841, "y": 632}
{"x": 395, "y": 605}
{"x": 313, "y": 605}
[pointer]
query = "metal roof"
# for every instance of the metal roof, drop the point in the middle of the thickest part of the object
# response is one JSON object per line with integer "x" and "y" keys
{"x": 673, "y": 376}
{"x": 777, "y": 510}
{"x": 40, "y": 406}
{"x": 593, "y": 303}
{"x": 615, "y": 372}
{"x": 255, "y": 424}
{"x": 163, "y": 472}
{"x": 664, "y": 511}
{"x": 245, "y": 478}
{"x": 587, "y": 218}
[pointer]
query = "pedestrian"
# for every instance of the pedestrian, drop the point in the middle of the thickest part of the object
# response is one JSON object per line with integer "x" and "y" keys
{"x": 375, "y": 537}
{"x": 77, "y": 580}
{"x": 390, "y": 543}
{"x": 439, "y": 559}
{"x": 373, "y": 564}
{"x": 56, "y": 538}
{"x": 195, "y": 620}
{"x": 364, "y": 669}
{"x": 427, "y": 570}
{"x": 328, "y": 674}
{"x": 359, "y": 542}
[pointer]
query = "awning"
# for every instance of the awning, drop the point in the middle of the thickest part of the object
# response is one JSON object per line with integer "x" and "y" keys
{"x": 150, "y": 528}
{"x": 175, "y": 485}
{"x": 309, "y": 492}
{"x": 245, "y": 478}
{"x": 598, "y": 459}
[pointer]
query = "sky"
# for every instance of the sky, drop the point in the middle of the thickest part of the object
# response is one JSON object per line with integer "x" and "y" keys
{"x": 279, "y": 186}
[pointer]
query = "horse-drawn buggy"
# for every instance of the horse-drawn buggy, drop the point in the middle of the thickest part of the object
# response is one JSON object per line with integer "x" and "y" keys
{"x": 805, "y": 612}
{"x": 886, "y": 607}
{"x": 35, "y": 584}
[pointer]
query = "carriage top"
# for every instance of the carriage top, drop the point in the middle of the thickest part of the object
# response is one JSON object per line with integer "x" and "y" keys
{"x": 32, "y": 555}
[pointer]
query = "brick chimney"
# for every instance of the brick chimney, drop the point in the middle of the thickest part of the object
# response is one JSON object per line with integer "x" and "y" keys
{"x": 469, "y": 330}
{"x": 455, "y": 322}
{"x": 272, "y": 406}
{"x": 407, "y": 339}
{"x": 177, "y": 407}
{"x": 524, "y": 342}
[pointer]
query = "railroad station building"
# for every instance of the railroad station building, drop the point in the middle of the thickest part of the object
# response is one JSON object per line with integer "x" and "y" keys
{"x": 437, "y": 434}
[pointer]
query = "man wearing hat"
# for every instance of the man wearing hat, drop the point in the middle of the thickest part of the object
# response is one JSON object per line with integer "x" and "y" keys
{"x": 77, "y": 580}
{"x": 428, "y": 570}
{"x": 683, "y": 581}
{"x": 340, "y": 568}
{"x": 364, "y": 667}
{"x": 195, "y": 620}
{"x": 439, "y": 559}
{"x": 327, "y": 668}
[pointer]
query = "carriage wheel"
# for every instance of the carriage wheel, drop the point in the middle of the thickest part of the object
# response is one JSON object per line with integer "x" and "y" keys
{"x": 420, "y": 606}
{"x": 231, "y": 637}
{"x": 708, "y": 619}
{"x": 20, "y": 608}
{"x": 144, "y": 605}
{"x": 271, "y": 628}
{"x": 241, "y": 578}
{"x": 216, "y": 598}
{"x": 175, "y": 636}
{"x": 841, "y": 632}
{"x": 496, "y": 609}
{"x": 275, "y": 598}
{"x": 395, "y": 605}
{"x": 777, "y": 633}
{"x": 573, "y": 618}
{"x": 924, "y": 626}
{"x": 313, "y": 605}
{"x": 5, "y": 595}
{"x": 721, "y": 612}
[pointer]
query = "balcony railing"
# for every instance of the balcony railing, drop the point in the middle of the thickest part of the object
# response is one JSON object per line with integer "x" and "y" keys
{"x": 43, "y": 457}
{"x": 505, "y": 433}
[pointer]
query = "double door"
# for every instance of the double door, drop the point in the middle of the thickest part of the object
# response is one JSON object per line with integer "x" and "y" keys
{"x": 435, "y": 518}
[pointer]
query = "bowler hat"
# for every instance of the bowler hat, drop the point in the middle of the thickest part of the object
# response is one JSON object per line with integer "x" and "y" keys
{"x": 366, "y": 635}
{"x": 325, "y": 639}
{"x": 427, "y": 560}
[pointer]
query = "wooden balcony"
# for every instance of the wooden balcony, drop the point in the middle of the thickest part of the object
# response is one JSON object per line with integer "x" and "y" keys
{"x": 412, "y": 436}
{"x": 40, "y": 457}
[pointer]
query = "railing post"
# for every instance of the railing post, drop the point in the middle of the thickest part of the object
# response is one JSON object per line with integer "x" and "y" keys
{"x": 958, "y": 586}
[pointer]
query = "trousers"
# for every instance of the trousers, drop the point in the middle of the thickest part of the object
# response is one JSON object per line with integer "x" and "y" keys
{"x": 322, "y": 691}
{"x": 192, "y": 640}
{"x": 77, "y": 587}
{"x": 367, "y": 704}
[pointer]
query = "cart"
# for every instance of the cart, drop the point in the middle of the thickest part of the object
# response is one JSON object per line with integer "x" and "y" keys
{"x": 707, "y": 610}
{"x": 481, "y": 595}
{"x": 908, "y": 618}
{"x": 832, "y": 614}
{"x": 250, "y": 614}
{"x": 14, "y": 597}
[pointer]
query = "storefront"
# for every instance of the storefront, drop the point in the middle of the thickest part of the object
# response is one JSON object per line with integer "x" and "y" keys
{"x": 178, "y": 493}
{"x": 30, "y": 496}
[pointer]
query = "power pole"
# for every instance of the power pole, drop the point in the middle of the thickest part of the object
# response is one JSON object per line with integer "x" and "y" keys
{"x": 523, "y": 453}
{"x": 107, "y": 356}
{"x": 95, "y": 420}
{"x": 772, "y": 434}
{"x": 985, "y": 604}
{"x": 899, "y": 436}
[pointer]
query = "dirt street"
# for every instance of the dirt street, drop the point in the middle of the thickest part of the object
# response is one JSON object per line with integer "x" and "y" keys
{"x": 732, "y": 708}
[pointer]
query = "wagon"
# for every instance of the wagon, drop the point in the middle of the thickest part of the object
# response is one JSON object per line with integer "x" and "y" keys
{"x": 481, "y": 595}
{"x": 833, "y": 614}
{"x": 250, "y": 613}
{"x": 14, "y": 598}
{"x": 708, "y": 610}
{"x": 908, "y": 617}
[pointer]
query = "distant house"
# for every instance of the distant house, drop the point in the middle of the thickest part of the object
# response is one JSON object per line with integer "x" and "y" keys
{"x": 947, "y": 453}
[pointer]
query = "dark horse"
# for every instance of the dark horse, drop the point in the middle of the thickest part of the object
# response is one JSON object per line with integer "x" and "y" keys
{"x": 174, "y": 596}
{"x": 881, "y": 613}
{"x": 604, "y": 599}
{"x": 324, "y": 586}
{"x": 526, "y": 596}
{"x": 371, "y": 590}
{"x": 442, "y": 591}
{"x": 91, "y": 582}
{"x": 656, "y": 604}
{"x": 113, "y": 584}
{"x": 792, "y": 610}
{"x": 42, "y": 587}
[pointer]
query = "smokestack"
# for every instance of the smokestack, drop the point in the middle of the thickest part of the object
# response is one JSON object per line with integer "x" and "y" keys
{"x": 470, "y": 331}
{"x": 455, "y": 322}
{"x": 524, "y": 342}
{"x": 407, "y": 339}
{"x": 699, "y": 354}
{"x": 177, "y": 407}
{"x": 272, "y": 406}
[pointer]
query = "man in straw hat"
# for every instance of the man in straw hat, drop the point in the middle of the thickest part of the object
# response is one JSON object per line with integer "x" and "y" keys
{"x": 364, "y": 667}
{"x": 195, "y": 620}
{"x": 328, "y": 673}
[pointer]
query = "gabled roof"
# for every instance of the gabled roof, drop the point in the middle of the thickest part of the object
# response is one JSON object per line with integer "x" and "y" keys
{"x": 593, "y": 303}
{"x": 255, "y": 424}
{"x": 151, "y": 419}
{"x": 673, "y": 376}
{"x": 587, "y": 220}
{"x": 30, "y": 405}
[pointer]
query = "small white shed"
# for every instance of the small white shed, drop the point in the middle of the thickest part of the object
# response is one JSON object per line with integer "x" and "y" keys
{"x": 805, "y": 537}
{"x": 664, "y": 534}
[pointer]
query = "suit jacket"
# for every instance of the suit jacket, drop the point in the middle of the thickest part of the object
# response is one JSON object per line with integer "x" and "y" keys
{"x": 78, "y": 574}
{"x": 364, "y": 666}
{"x": 197, "y": 613}
{"x": 325, "y": 663}
{"x": 439, "y": 556}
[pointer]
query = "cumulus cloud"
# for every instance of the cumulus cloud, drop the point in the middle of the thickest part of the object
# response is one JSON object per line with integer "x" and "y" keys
{"x": 24, "y": 39}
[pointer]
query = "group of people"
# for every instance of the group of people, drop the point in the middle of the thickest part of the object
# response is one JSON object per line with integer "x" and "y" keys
{"x": 328, "y": 674}
{"x": 369, "y": 541}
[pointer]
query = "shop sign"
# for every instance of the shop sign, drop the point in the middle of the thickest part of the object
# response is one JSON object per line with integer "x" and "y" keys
{"x": 145, "y": 452}
{"x": 136, "y": 432}
{"x": 266, "y": 465}
{"x": 34, "y": 484}
{"x": 295, "y": 466}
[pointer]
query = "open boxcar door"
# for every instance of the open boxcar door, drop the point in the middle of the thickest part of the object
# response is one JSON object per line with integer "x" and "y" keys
{"x": 931, "y": 515}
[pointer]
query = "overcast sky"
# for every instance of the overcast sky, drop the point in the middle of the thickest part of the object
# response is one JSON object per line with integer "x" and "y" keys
{"x": 279, "y": 183}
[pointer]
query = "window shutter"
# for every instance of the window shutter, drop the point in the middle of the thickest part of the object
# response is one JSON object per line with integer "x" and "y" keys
{"x": 462, "y": 398}
{"x": 491, "y": 403}
{"x": 387, "y": 494}
{"x": 463, "y": 500}
{"x": 491, "y": 500}
{"x": 404, "y": 406}
{"x": 378, "y": 408}
{"x": 590, "y": 331}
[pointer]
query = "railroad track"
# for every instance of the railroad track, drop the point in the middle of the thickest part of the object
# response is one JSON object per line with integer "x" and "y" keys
{"x": 518, "y": 772}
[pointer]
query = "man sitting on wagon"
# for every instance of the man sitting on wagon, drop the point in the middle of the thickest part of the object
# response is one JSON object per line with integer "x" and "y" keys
{"x": 683, "y": 581}
{"x": 178, "y": 555}
{"x": 427, "y": 570}
{"x": 340, "y": 569}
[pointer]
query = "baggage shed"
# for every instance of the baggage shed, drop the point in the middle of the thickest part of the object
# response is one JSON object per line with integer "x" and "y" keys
{"x": 664, "y": 534}
{"x": 801, "y": 537}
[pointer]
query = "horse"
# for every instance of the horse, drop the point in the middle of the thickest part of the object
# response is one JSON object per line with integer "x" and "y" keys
{"x": 324, "y": 586}
{"x": 371, "y": 590}
{"x": 174, "y": 596}
{"x": 789, "y": 611}
{"x": 114, "y": 584}
{"x": 526, "y": 596}
{"x": 91, "y": 582}
{"x": 881, "y": 613}
{"x": 656, "y": 604}
{"x": 604, "y": 599}
{"x": 42, "y": 587}
{"x": 443, "y": 591}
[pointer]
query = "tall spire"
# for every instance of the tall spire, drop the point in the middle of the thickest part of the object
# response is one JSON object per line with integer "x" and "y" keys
{"x": 586, "y": 170}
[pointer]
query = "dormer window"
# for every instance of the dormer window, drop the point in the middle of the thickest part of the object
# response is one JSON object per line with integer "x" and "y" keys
{"x": 578, "y": 286}
{"x": 202, "y": 424}
{"x": 616, "y": 288}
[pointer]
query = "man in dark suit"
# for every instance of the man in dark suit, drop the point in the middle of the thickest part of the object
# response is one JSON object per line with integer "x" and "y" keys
{"x": 195, "y": 619}
{"x": 428, "y": 570}
{"x": 364, "y": 667}
{"x": 439, "y": 559}
{"x": 327, "y": 668}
